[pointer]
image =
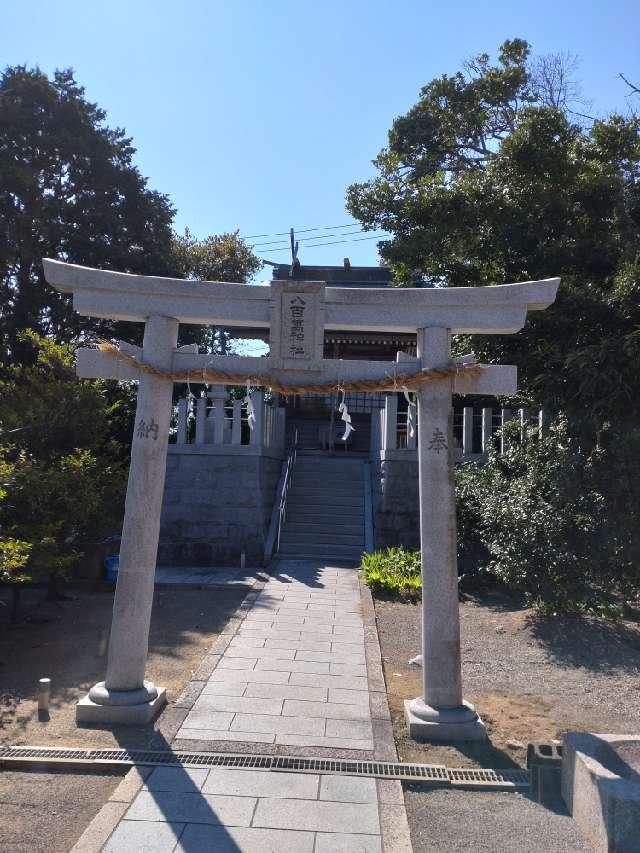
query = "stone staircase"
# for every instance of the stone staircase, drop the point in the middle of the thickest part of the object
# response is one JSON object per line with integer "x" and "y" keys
{"x": 325, "y": 512}
{"x": 310, "y": 430}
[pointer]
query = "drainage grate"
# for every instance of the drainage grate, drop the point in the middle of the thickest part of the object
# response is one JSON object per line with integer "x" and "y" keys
{"x": 463, "y": 777}
{"x": 427, "y": 773}
{"x": 379, "y": 769}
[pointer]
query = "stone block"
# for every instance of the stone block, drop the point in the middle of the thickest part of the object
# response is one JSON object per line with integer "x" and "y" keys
{"x": 178, "y": 779}
{"x": 345, "y": 842}
{"x": 333, "y": 710}
{"x": 239, "y": 704}
{"x": 544, "y": 762}
{"x": 601, "y": 788}
{"x": 254, "y": 783}
{"x": 317, "y": 816}
{"x": 192, "y": 808}
{"x": 278, "y": 725}
{"x": 348, "y": 789}
{"x": 144, "y": 835}
{"x": 287, "y": 692}
{"x": 208, "y": 736}
{"x": 232, "y": 839}
{"x": 444, "y": 725}
{"x": 88, "y": 711}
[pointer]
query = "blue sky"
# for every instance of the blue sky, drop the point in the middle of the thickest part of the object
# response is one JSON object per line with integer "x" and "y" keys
{"x": 257, "y": 115}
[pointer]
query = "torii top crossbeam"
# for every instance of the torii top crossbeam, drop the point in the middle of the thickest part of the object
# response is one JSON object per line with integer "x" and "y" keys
{"x": 297, "y": 314}
{"x": 497, "y": 309}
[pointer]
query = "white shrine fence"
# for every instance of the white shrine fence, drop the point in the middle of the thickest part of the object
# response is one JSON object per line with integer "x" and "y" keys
{"x": 475, "y": 430}
{"x": 215, "y": 422}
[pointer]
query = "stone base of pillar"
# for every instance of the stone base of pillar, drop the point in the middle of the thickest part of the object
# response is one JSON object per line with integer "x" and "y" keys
{"x": 121, "y": 707}
{"x": 443, "y": 724}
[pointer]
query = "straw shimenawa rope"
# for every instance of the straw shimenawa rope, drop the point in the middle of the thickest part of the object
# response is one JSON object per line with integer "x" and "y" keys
{"x": 207, "y": 375}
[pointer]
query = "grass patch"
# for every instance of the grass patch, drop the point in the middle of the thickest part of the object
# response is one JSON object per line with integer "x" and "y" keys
{"x": 394, "y": 571}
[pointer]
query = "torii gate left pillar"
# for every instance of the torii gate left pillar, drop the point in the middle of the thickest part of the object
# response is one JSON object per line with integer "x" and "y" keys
{"x": 124, "y": 696}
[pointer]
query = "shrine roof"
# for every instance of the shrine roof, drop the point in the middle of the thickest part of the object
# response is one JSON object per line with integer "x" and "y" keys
{"x": 341, "y": 276}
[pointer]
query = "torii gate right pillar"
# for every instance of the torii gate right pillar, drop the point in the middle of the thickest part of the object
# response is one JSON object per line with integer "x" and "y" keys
{"x": 440, "y": 714}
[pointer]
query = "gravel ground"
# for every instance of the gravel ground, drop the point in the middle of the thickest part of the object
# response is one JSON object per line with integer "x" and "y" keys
{"x": 491, "y": 822}
{"x": 530, "y": 678}
{"x": 67, "y": 642}
{"x": 47, "y": 812}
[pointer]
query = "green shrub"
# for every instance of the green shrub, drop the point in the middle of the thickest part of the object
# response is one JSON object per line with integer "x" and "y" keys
{"x": 62, "y": 472}
{"x": 556, "y": 522}
{"x": 393, "y": 571}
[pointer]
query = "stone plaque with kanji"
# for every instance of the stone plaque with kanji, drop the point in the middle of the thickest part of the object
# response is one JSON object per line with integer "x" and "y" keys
{"x": 297, "y": 326}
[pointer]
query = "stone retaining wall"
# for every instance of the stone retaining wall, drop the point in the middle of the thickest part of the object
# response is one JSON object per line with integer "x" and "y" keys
{"x": 217, "y": 505}
{"x": 395, "y": 502}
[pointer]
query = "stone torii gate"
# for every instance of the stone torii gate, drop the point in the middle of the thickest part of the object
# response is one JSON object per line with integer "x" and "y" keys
{"x": 297, "y": 313}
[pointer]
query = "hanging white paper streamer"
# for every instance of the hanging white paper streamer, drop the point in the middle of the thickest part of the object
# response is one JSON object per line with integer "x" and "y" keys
{"x": 411, "y": 413}
{"x": 251, "y": 412}
{"x": 346, "y": 417}
{"x": 191, "y": 406}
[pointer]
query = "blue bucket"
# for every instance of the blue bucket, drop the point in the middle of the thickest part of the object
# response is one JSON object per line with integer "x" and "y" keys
{"x": 111, "y": 565}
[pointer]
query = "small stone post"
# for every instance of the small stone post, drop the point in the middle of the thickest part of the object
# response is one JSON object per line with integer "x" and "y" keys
{"x": 124, "y": 696}
{"x": 201, "y": 418}
{"x": 390, "y": 439}
{"x": 440, "y": 713}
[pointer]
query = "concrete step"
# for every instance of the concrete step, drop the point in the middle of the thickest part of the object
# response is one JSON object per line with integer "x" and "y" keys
{"x": 333, "y": 473}
{"x": 316, "y": 525}
{"x": 301, "y": 540}
{"x": 333, "y": 505}
{"x": 324, "y": 519}
{"x": 319, "y": 482}
{"x": 353, "y": 461}
{"x": 325, "y": 457}
{"x": 343, "y": 470}
{"x": 344, "y": 489}
{"x": 339, "y": 455}
{"x": 321, "y": 551}
{"x": 328, "y": 501}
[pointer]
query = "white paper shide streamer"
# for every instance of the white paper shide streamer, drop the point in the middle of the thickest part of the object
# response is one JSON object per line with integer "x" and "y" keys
{"x": 411, "y": 413}
{"x": 191, "y": 406}
{"x": 251, "y": 412}
{"x": 346, "y": 417}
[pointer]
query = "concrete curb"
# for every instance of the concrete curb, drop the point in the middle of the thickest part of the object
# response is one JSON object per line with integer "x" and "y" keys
{"x": 104, "y": 823}
{"x": 394, "y": 826}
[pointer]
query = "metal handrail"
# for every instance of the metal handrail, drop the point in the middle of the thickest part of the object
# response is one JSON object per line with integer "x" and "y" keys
{"x": 291, "y": 461}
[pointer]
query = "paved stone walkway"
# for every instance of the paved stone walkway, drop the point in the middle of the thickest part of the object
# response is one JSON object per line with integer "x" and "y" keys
{"x": 254, "y": 811}
{"x": 294, "y": 675}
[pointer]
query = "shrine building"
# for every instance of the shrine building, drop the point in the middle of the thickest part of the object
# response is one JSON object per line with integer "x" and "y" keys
{"x": 347, "y": 496}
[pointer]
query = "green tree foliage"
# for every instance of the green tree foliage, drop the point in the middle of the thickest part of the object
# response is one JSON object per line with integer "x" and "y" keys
{"x": 69, "y": 190}
{"x": 219, "y": 257}
{"x": 14, "y": 553}
{"x": 488, "y": 179}
{"x": 63, "y": 472}
{"x": 491, "y": 178}
{"x": 555, "y": 522}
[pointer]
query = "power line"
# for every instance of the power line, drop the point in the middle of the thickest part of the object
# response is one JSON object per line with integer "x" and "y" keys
{"x": 299, "y": 231}
{"x": 332, "y": 243}
{"x": 306, "y": 239}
